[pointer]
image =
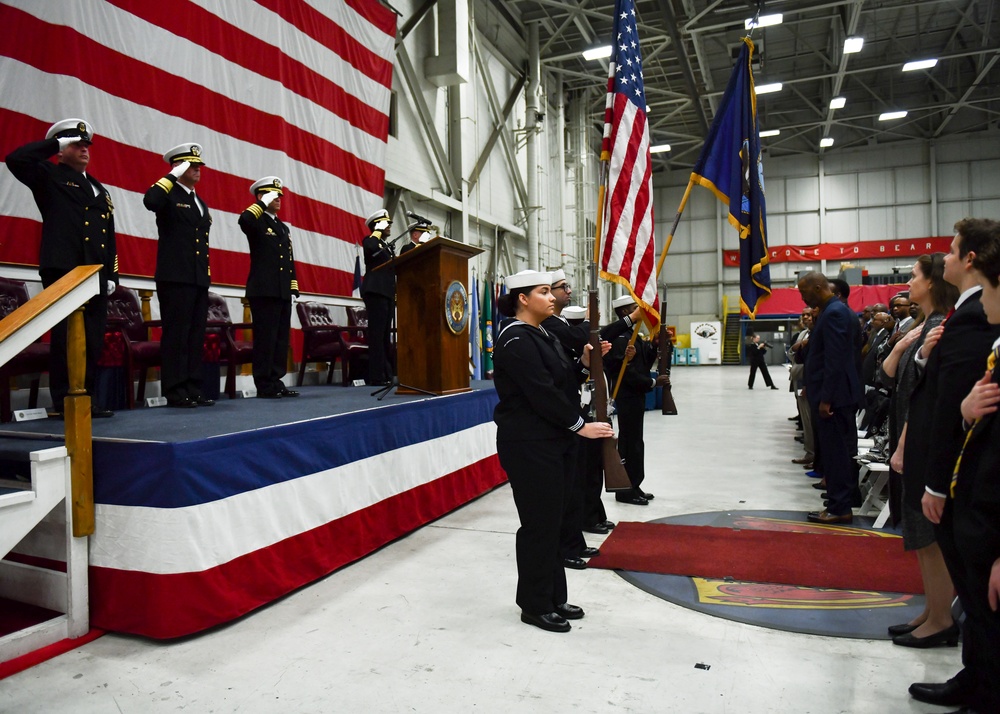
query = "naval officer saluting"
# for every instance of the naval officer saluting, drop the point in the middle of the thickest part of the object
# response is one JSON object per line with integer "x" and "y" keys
{"x": 182, "y": 274}
{"x": 78, "y": 228}
{"x": 270, "y": 286}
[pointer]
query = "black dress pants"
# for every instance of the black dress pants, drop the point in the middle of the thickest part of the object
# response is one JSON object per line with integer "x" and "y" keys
{"x": 183, "y": 312}
{"x": 95, "y": 317}
{"x": 631, "y": 447}
{"x": 538, "y": 472}
{"x": 379, "y": 308}
{"x": 272, "y": 319}
{"x": 836, "y": 446}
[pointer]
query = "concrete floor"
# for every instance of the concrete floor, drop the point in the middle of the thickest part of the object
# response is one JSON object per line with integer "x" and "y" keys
{"x": 428, "y": 624}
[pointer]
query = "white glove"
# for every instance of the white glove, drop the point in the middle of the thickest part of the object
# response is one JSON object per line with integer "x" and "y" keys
{"x": 382, "y": 225}
{"x": 111, "y": 287}
{"x": 180, "y": 168}
{"x": 65, "y": 141}
{"x": 268, "y": 197}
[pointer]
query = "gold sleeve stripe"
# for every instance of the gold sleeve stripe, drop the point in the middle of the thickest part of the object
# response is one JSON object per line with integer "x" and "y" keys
{"x": 164, "y": 184}
{"x": 116, "y": 263}
{"x": 256, "y": 210}
{"x": 295, "y": 285}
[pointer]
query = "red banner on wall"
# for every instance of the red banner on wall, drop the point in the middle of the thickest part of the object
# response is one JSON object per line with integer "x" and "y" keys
{"x": 911, "y": 247}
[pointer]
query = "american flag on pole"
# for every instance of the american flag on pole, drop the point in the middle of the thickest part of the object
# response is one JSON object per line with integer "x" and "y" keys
{"x": 627, "y": 249}
{"x": 290, "y": 88}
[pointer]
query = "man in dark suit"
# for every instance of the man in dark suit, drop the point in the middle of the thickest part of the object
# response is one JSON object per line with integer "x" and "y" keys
{"x": 182, "y": 274}
{"x": 78, "y": 228}
{"x": 833, "y": 390}
{"x": 378, "y": 290}
{"x": 935, "y": 436}
{"x": 631, "y": 398}
{"x": 270, "y": 286}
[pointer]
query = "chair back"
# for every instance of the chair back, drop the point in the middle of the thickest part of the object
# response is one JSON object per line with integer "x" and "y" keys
{"x": 13, "y": 294}
{"x": 218, "y": 311}
{"x": 357, "y": 317}
{"x": 123, "y": 307}
{"x": 314, "y": 315}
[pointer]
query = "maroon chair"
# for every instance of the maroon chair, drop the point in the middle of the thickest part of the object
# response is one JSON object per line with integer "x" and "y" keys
{"x": 356, "y": 340}
{"x": 221, "y": 330}
{"x": 140, "y": 352}
{"x": 325, "y": 341}
{"x": 34, "y": 359}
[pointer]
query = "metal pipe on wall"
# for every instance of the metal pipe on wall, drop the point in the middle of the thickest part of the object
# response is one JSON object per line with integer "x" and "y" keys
{"x": 530, "y": 123}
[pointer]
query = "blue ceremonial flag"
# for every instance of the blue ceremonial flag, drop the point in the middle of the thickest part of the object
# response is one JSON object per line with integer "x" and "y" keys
{"x": 475, "y": 332}
{"x": 730, "y": 165}
{"x": 356, "y": 291}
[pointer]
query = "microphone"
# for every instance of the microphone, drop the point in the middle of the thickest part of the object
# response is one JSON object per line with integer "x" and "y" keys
{"x": 417, "y": 217}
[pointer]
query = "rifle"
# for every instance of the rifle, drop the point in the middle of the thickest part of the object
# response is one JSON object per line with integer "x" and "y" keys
{"x": 664, "y": 352}
{"x": 615, "y": 477}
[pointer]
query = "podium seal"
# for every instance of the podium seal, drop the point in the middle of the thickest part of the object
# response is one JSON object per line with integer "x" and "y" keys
{"x": 456, "y": 307}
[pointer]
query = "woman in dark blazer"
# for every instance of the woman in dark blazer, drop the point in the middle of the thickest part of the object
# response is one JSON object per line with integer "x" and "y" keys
{"x": 538, "y": 421}
{"x": 899, "y": 372}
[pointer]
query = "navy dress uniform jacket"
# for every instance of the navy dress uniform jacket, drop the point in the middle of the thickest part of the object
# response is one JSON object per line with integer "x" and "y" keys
{"x": 182, "y": 250}
{"x": 78, "y": 227}
{"x": 272, "y": 262}
{"x": 378, "y": 282}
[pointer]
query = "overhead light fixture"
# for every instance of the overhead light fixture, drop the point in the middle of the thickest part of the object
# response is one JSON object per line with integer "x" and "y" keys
{"x": 838, "y": 102}
{"x": 659, "y": 149}
{"x": 762, "y": 21}
{"x": 919, "y": 64}
{"x": 889, "y": 116}
{"x": 596, "y": 53}
{"x": 769, "y": 132}
{"x": 853, "y": 44}
{"x": 826, "y": 142}
{"x": 767, "y": 88}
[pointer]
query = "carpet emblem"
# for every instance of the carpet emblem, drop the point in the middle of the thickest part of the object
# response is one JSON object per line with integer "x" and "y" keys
{"x": 861, "y": 614}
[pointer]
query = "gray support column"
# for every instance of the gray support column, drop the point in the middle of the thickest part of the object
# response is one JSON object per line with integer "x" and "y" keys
{"x": 530, "y": 122}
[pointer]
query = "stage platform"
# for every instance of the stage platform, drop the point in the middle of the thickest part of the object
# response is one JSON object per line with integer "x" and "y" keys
{"x": 205, "y": 514}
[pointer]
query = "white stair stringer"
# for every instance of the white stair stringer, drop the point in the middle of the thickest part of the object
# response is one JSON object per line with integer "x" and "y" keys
{"x": 45, "y": 528}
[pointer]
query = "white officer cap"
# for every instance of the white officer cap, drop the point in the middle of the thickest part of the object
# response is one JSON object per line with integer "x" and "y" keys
{"x": 190, "y": 152}
{"x": 268, "y": 183}
{"x": 528, "y": 279}
{"x": 379, "y": 215}
{"x": 71, "y": 127}
{"x": 419, "y": 226}
{"x": 574, "y": 312}
{"x": 623, "y": 301}
{"x": 558, "y": 275}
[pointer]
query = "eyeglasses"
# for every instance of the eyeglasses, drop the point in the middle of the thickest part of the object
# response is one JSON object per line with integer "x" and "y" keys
{"x": 564, "y": 286}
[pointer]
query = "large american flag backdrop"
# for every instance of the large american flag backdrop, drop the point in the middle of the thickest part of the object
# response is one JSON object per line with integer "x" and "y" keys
{"x": 627, "y": 251}
{"x": 268, "y": 87}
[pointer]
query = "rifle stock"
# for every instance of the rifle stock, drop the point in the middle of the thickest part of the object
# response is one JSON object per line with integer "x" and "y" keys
{"x": 615, "y": 476}
{"x": 668, "y": 407}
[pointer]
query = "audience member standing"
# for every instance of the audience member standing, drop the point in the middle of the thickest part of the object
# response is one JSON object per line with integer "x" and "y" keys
{"x": 270, "y": 286}
{"x": 936, "y": 297}
{"x": 78, "y": 228}
{"x": 182, "y": 274}
{"x": 833, "y": 389}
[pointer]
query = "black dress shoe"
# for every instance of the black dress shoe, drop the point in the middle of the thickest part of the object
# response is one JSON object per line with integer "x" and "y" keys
{"x": 946, "y": 694}
{"x": 773, "y": 387}
{"x": 575, "y": 563}
{"x": 826, "y": 517}
{"x": 268, "y": 395}
{"x": 182, "y": 403}
{"x": 551, "y": 621}
{"x": 901, "y": 629}
{"x": 598, "y": 528}
{"x": 609, "y": 525}
{"x": 948, "y": 637}
{"x": 98, "y": 413}
{"x": 288, "y": 393}
{"x": 569, "y": 612}
{"x": 633, "y": 499}
{"x": 204, "y": 402}
{"x": 590, "y": 552}
{"x": 647, "y": 496}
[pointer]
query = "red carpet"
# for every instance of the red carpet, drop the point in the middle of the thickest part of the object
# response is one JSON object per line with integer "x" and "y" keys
{"x": 839, "y": 559}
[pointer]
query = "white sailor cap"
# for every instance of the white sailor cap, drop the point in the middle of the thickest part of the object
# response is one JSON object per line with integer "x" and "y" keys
{"x": 189, "y": 151}
{"x": 558, "y": 275}
{"x": 419, "y": 226}
{"x": 527, "y": 279}
{"x": 71, "y": 127}
{"x": 574, "y": 312}
{"x": 268, "y": 183}
{"x": 623, "y": 301}
{"x": 379, "y": 215}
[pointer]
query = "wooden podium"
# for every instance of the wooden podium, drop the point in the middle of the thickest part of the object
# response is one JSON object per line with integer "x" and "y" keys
{"x": 430, "y": 356}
